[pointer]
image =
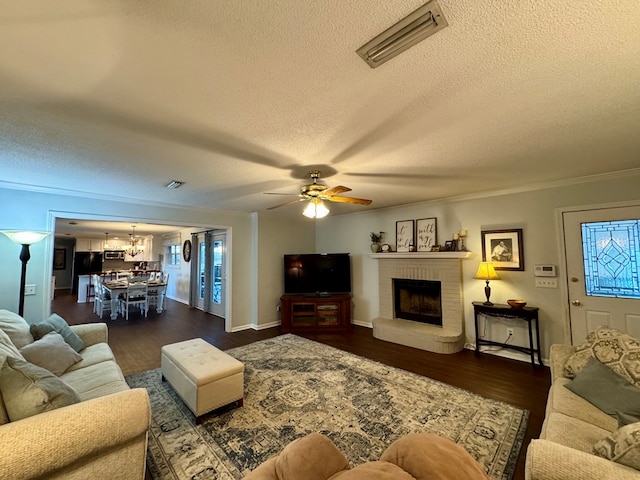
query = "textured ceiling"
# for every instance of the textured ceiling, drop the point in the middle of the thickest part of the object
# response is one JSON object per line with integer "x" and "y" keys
{"x": 237, "y": 98}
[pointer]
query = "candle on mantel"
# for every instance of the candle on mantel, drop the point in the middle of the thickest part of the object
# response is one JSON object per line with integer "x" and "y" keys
{"x": 455, "y": 236}
{"x": 463, "y": 233}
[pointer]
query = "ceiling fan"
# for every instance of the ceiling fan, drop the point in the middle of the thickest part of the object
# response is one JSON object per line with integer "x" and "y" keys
{"x": 315, "y": 193}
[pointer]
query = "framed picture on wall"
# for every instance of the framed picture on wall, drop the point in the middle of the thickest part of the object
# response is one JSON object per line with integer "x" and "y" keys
{"x": 503, "y": 248}
{"x": 404, "y": 235}
{"x": 59, "y": 258}
{"x": 426, "y": 234}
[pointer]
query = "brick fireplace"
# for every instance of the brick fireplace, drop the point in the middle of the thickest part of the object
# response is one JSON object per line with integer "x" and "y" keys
{"x": 444, "y": 268}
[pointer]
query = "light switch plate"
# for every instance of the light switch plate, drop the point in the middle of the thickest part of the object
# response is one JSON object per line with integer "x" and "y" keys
{"x": 29, "y": 289}
{"x": 546, "y": 282}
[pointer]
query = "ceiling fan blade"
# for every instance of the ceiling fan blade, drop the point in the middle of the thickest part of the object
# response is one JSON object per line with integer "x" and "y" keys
{"x": 276, "y": 193}
{"x": 359, "y": 201}
{"x": 335, "y": 190}
{"x": 286, "y": 203}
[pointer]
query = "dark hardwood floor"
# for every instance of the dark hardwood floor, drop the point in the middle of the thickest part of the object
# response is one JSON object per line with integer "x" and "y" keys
{"x": 136, "y": 345}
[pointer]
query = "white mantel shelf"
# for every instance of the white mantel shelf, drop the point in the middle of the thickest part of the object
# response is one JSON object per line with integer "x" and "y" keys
{"x": 431, "y": 255}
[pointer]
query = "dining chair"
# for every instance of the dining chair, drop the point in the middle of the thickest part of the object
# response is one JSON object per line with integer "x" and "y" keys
{"x": 102, "y": 302}
{"x": 136, "y": 295}
{"x": 155, "y": 293}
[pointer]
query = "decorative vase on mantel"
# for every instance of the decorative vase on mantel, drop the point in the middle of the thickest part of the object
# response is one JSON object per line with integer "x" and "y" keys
{"x": 376, "y": 238}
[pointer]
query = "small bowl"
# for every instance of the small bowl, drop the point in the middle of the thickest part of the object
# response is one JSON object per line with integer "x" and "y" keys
{"x": 516, "y": 303}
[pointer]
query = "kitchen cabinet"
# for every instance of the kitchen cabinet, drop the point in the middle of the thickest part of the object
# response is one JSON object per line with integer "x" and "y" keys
{"x": 89, "y": 245}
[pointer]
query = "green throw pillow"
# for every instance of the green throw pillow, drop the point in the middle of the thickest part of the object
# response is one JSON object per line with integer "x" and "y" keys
{"x": 28, "y": 390}
{"x": 55, "y": 323}
{"x": 51, "y": 352}
{"x": 622, "y": 446}
{"x": 608, "y": 391}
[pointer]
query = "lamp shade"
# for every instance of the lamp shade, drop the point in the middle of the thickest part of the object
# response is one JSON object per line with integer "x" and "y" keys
{"x": 316, "y": 209}
{"x": 486, "y": 272}
{"x": 25, "y": 237}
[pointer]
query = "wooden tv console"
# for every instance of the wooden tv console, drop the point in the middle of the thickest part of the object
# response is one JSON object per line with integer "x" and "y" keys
{"x": 321, "y": 313}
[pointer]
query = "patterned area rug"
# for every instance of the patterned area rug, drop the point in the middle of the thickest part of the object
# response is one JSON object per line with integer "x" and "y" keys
{"x": 294, "y": 386}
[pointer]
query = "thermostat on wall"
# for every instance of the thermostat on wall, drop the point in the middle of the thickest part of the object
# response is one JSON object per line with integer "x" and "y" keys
{"x": 544, "y": 270}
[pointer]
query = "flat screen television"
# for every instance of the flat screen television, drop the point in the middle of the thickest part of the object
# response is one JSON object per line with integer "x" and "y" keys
{"x": 317, "y": 273}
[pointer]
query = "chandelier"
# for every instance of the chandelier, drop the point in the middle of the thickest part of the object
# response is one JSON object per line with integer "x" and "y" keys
{"x": 133, "y": 248}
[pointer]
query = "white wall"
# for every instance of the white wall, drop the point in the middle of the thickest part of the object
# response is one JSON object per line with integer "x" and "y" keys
{"x": 179, "y": 275}
{"x": 533, "y": 211}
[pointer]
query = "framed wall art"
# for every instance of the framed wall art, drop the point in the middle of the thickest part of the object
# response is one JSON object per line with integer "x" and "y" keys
{"x": 426, "y": 234}
{"x": 503, "y": 248}
{"x": 59, "y": 258}
{"x": 404, "y": 235}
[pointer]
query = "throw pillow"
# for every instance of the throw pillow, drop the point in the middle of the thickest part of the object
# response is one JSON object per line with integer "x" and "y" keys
{"x": 618, "y": 351}
{"x": 622, "y": 446}
{"x": 51, "y": 352}
{"x": 55, "y": 323}
{"x": 16, "y": 328}
{"x": 608, "y": 391}
{"x": 28, "y": 390}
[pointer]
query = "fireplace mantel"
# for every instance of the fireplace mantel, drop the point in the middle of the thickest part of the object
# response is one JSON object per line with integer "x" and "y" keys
{"x": 429, "y": 255}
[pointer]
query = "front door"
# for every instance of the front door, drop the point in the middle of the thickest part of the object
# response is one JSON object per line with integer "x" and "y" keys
{"x": 602, "y": 251}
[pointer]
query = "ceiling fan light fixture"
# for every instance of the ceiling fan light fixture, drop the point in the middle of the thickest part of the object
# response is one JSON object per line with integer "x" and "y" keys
{"x": 316, "y": 209}
{"x": 422, "y": 23}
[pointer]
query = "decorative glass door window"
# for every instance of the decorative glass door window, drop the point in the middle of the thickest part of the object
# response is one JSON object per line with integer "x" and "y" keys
{"x": 216, "y": 291}
{"x": 611, "y": 252}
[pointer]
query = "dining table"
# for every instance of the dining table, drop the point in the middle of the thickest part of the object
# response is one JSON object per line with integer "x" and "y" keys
{"x": 118, "y": 287}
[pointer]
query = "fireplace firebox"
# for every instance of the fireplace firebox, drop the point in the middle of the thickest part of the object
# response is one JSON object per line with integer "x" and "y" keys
{"x": 417, "y": 300}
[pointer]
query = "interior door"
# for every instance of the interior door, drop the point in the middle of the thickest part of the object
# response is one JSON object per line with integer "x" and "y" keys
{"x": 602, "y": 251}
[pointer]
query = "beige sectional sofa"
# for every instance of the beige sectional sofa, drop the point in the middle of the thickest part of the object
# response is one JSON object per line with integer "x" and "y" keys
{"x": 571, "y": 429}
{"x": 102, "y": 434}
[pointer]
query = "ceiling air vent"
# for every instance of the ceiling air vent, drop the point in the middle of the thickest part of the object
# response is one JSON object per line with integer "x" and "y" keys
{"x": 174, "y": 184}
{"x": 422, "y": 23}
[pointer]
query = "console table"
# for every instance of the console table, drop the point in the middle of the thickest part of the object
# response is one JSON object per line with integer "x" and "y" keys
{"x": 320, "y": 313}
{"x": 527, "y": 314}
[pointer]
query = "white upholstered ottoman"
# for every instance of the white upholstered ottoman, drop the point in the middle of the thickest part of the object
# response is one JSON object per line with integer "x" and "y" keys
{"x": 203, "y": 376}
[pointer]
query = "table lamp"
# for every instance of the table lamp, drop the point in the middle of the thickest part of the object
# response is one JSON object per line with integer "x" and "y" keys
{"x": 486, "y": 272}
{"x": 25, "y": 239}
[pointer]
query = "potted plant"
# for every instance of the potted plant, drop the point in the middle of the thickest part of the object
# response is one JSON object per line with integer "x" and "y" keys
{"x": 375, "y": 241}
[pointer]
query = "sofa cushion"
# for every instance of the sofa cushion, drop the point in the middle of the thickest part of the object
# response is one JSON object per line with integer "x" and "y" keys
{"x": 16, "y": 328}
{"x": 29, "y": 390}
{"x": 618, "y": 351}
{"x": 93, "y": 354}
{"x": 622, "y": 446}
{"x": 572, "y": 432}
{"x": 7, "y": 347}
{"x": 608, "y": 391}
{"x": 563, "y": 400}
{"x": 51, "y": 352}
{"x": 55, "y": 323}
{"x": 96, "y": 380}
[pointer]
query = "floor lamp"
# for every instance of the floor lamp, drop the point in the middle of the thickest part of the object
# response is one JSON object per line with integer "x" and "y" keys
{"x": 25, "y": 239}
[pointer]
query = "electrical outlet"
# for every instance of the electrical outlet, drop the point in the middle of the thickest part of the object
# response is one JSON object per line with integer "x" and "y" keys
{"x": 510, "y": 332}
{"x": 29, "y": 289}
{"x": 546, "y": 282}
